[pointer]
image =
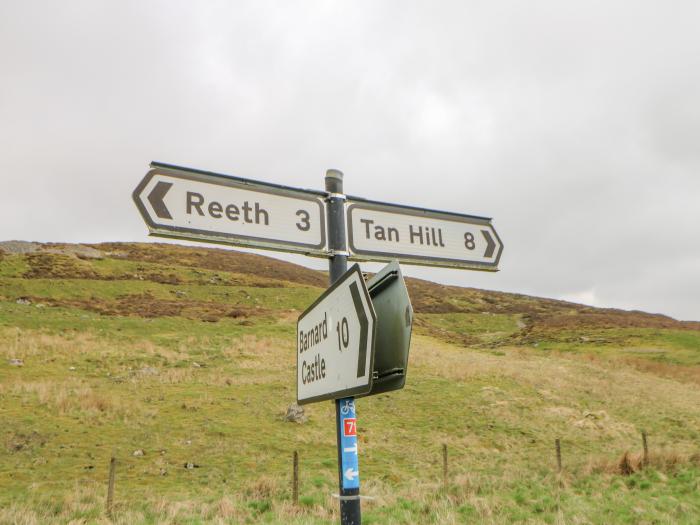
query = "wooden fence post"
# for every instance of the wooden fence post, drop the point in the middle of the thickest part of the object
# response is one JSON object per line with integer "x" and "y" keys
{"x": 557, "y": 445}
{"x": 110, "y": 486}
{"x": 645, "y": 458}
{"x": 444, "y": 464}
{"x": 295, "y": 480}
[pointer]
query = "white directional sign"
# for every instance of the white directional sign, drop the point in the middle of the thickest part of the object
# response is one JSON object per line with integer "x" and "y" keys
{"x": 198, "y": 205}
{"x": 335, "y": 342}
{"x": 381, "y": 232}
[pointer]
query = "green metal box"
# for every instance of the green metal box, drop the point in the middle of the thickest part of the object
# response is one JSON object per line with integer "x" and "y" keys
{"x": 392, "y": 305}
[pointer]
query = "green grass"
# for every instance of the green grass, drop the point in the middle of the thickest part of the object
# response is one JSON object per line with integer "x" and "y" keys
{"x": 213, "y": 394}
{"x": 273, "y": 298}
{"x": 13, "y": 266}
{"x": 484, "y": 327}
{"x": 670, "y": 346}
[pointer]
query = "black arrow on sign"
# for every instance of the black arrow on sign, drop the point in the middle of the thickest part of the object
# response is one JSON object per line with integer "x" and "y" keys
{"x": 490, "y": 243}
{"x": 156, "y": 199}
{"x": 364, "y": 328}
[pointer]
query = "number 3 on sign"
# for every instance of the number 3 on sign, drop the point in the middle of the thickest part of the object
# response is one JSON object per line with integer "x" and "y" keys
{"x": 350, "y": 426}
{"x": 304, "y": 224}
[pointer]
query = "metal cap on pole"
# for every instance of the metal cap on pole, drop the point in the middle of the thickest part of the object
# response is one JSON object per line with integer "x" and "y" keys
{"x": 334, "y": 181}
{"x": 332, "y": 173}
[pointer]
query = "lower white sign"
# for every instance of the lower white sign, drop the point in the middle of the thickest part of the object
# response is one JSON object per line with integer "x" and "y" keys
{"x": 335, "y": 342}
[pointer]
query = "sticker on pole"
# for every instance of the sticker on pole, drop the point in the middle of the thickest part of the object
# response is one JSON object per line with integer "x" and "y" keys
{"x": 350, "y": 426}
{"x": 335, "y": 342}
{"x": 350, "y": 464}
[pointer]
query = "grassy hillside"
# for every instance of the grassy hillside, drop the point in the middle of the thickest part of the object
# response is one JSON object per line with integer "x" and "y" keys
{"x": 180, "y": 362}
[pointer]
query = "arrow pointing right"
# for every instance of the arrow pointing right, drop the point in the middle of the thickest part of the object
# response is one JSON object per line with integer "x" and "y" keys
{"x": 156, "y": 199}
{"x": 490, "y": 243}
{"x": 364, "y": 328}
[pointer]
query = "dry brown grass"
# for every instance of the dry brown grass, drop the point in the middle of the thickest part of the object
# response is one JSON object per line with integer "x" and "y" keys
{"x": 16, "y": 343}
{"x": 247, "y": 264}
{"x": 678, "y": 372}
{"x": 148, "y": 306}
{"x": 50, "y": 348}
{"x": 665, "y": 461}
{"x": 558, "y": 375}
{"x": 262, "y": 488}
{"x": 687, "y": 373}
{"x": 43, "y": 265}
{"x": 67, "y": 397}
{"x": 87, "y": 500}
{"x": 255, "y": 352}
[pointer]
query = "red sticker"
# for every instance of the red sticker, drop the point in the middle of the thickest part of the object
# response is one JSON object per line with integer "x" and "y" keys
{"x": 350, "y": 426}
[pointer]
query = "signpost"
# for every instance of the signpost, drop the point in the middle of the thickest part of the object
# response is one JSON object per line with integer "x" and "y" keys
{"x": 354, "y": 339}
{"x": 382, "y": 232}
{"x": 204, "y": 206}
{"x": 348, "y": 464}
{"x": 335, "y": 342}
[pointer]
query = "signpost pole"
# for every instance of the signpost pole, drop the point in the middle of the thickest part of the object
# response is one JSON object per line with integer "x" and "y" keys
{"x": 337, "y": 266}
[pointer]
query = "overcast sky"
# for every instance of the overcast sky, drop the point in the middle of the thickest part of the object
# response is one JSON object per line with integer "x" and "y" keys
{"x": 575, "y": 125}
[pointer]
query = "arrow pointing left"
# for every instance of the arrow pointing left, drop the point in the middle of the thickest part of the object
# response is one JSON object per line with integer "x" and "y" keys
{"x": 156, "y": 199}
{"x": 351, "y": 474}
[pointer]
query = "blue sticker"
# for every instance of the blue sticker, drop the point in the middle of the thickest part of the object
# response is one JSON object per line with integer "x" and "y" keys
{"x": 348, "y": 441}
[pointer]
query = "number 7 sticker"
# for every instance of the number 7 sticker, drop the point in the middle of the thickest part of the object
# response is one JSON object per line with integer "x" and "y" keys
{"x": 350, "y": 426}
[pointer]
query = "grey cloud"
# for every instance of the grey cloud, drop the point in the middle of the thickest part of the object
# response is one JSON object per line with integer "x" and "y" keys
{"x": 574, "y": 125}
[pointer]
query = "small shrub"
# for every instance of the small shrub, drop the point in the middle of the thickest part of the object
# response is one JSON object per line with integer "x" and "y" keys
{"x": 625, "y": 465}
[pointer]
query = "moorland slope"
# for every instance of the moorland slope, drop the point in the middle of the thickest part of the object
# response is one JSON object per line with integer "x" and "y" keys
{"x": 180, "y": 362}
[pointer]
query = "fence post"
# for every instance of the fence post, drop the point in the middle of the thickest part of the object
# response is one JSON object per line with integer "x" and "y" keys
{"x": 110, "y": 486}
{"x": 557, "y": 445}
{"x": 295, "y": 480}
{"x": 444, "y": 464}
{"x": 645, "y": 458}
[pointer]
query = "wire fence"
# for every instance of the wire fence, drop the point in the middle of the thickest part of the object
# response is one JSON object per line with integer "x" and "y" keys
{"x": 561, "y": 451}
